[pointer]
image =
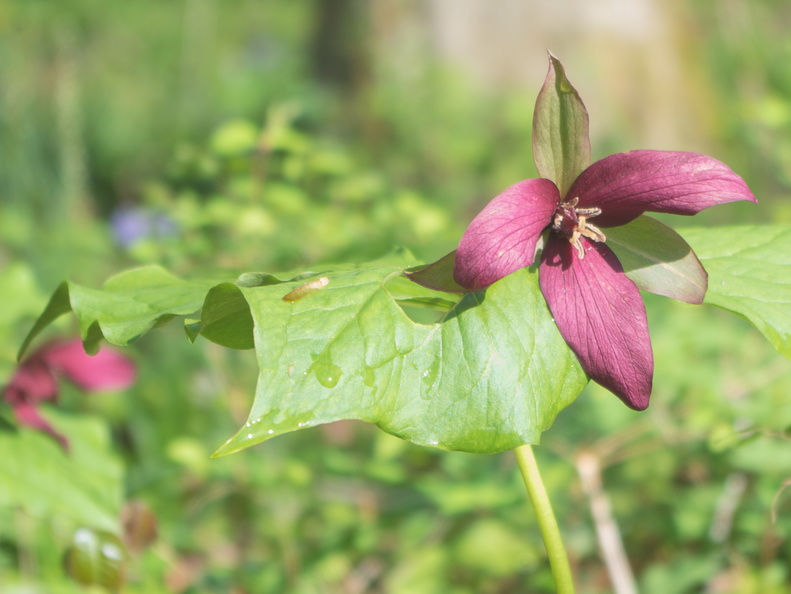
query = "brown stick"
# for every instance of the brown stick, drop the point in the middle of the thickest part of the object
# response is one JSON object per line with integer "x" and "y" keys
{"x": 607, "y": 532}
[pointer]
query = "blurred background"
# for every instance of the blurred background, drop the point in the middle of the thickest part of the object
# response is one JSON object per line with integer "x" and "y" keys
{"x": 219, "y": 137}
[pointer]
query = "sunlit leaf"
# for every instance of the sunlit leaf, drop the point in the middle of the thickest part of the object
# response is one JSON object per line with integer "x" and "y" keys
{"x": 126, "y": 307}
{"x": 225, "y": 318}
{"x": 491, "y": 376}
{"x": 749, "y": 274}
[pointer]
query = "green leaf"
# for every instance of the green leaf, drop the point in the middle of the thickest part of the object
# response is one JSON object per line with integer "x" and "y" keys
{"x": 491, "y": 376}
{"x": 126, "y": 307}
{"x": 750, "y": 274}
{"x": 57, "y": 306}
{"x": 225, "y": 318}
{"x": 561, "y": 146}
{"x": 332, "y": 345}
{"x": 85, "y": 484}
{"x": 658, "y": 259}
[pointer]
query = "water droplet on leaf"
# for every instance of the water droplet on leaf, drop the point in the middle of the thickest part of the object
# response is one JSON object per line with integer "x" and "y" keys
{"x": 329, "y": 375}
{"x": 326, "y": 371}
{"x": 429, "y": 377}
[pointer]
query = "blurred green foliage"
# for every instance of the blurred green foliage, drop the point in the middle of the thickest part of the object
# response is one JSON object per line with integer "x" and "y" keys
{"x": 214, "y": 132}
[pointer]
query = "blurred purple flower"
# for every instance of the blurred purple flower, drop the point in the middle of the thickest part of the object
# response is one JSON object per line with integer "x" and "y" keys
{"x": 131, "y": 224}
{"x": 36, "y": 379}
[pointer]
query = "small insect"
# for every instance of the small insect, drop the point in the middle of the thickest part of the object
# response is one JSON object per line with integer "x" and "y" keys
{"x": 309, "y": 287}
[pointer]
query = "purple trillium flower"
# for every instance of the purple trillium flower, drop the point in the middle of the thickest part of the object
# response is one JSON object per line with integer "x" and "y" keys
{"x": 36, "y": 379}
{"x": 597, "y": 308}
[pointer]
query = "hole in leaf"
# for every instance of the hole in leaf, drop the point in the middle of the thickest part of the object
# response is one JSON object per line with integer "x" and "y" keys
{"x": 421, "y": 305}
{"x": 422, "y": 315}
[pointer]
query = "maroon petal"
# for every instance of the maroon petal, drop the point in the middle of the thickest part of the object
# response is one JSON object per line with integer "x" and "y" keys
{"x": 502, "y": 238}
{"x": 626, "y": 185}
{"x": 27, "y": 415}
{"x": 32, "y": 382}
{"x": 106, "y": 370}
{"x": 601, "y": 315}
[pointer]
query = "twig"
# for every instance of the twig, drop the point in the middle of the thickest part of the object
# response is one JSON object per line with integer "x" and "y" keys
{"x": 727, "y": 504}
{"x": 607, "y": 532}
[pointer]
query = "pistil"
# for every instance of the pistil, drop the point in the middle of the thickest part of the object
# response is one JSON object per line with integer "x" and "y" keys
{"x": 572, "y": 223}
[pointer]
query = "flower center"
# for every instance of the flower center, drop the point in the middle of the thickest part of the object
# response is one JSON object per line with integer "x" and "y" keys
{"x": 572, "y": 223}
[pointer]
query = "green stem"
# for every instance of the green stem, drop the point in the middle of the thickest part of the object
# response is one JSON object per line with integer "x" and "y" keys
{"x": 558, "y": 559}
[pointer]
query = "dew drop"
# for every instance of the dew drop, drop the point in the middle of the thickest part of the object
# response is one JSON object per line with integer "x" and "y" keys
{"x": 429, "y": 377}
{"x": 249, "y": 436}
{"x": 327, "y": 373}
{"x": 368, "y": 377}
{"x": 270, "y": 432}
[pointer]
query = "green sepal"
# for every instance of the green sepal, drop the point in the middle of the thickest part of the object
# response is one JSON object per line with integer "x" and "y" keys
{"x": 437, "y": 275}
{"x": 658, "y": 259}
{"x": 561, "y": 145}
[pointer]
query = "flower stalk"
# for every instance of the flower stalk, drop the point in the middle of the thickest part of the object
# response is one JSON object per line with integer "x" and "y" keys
{"x": 558, "y": 559}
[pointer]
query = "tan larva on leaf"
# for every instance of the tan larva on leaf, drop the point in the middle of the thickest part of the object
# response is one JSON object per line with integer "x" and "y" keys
{"x": 309, "y": 287}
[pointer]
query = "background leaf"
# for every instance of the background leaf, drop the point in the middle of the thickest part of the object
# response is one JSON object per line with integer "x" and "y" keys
{"x": 561, "y": 145}
{"x": 225, "y": 318}
{"x": 749, "y": 271}
{"x": 84, "y": 484}
{"x": 491, "y": 376}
